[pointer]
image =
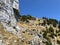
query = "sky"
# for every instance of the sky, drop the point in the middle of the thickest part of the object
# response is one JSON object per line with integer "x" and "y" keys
{"x": 40, "y": 8}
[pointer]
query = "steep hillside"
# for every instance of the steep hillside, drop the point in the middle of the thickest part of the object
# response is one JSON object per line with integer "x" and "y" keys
{"x": 26, "y": 30}
{"x": 40, "y": 31}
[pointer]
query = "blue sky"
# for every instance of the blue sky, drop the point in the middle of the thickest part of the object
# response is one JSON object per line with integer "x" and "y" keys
{"x": 41, "y": 8}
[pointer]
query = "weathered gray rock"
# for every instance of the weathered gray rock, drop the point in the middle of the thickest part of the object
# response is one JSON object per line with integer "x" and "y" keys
{"x": 7, "y": 17}
{"x": 2, "y": 42}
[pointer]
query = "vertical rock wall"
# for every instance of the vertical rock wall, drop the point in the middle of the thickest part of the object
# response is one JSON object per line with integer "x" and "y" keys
{"x": 7, "y": 17}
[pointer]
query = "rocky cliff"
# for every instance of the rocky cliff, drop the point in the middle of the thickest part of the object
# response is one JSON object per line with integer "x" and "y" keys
{"x": 28, "y": 30}
{"x": 7, "y": 14}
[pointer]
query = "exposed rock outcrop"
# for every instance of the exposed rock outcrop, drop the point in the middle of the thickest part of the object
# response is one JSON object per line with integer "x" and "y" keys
{"x": 28, "y": 30}
{"x": 7, "y": 15}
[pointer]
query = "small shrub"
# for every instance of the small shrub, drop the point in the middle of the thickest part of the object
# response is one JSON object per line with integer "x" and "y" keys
{"x": 22, "y": 40}
{"x": 51, "y": 30}
{"x": 48, "y": 43}
{"x": 23, "y": 32}
{"x": 58, "y": 42}
{"x": 44, "y": 34}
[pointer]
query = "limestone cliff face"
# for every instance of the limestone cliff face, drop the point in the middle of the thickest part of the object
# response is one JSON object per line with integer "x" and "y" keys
{"x": 7, "y": 14}
{"x": 6, "y": 10}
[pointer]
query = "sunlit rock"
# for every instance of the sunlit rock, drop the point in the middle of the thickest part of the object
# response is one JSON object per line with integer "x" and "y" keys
{"x": 7, "y": 15}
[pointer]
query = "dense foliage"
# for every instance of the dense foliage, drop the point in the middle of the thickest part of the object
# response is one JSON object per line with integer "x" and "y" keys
{"x": 26, "y": 18}
{"x": 49, "y": 21}
{"x": 58, "y": 42}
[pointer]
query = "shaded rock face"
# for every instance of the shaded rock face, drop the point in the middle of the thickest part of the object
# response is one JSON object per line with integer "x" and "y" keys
{"x": 7, "y": 14}
{"x": 6, "y": 11}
